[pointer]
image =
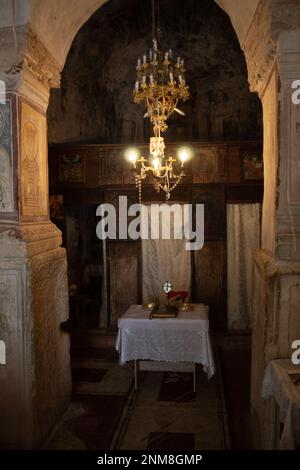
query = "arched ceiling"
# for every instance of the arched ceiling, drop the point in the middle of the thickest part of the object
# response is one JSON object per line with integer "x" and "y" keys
{"x": 57, "y": 21}
{"x": 241, "y": 13}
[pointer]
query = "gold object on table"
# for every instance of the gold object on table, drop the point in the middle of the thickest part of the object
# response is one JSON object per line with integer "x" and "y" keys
{"x": 186, "y": 307}
{"x": 152, "y": 304}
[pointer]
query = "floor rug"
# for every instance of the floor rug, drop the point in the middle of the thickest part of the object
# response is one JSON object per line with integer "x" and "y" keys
{"x": 106, "y": 412}
{"x": 165, "y": 414}
{"x": 177, "y": 387}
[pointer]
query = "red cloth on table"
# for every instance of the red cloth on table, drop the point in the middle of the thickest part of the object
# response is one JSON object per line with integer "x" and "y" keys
{"x": 179, "y": 294}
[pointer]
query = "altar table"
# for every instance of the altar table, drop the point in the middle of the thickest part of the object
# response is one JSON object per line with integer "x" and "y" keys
{"x": 181, "y": 342}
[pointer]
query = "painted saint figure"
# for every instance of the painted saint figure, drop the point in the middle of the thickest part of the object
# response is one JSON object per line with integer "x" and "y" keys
{"x": 30, "y": 167}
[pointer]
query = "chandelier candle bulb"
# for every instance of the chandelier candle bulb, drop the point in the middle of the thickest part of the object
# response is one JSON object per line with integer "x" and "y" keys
{"x": 171, "y": 77}
{"x": 144, "y": 80}
{"x": 178, "y": 61}
{"x": 151, "y": 79}
{"x": 150, "y": 54}
{"x": 139, "y": 63}
{"x": 136, "y": 86}
{"x": 156, "y": 163}
{"x": 144, "y": 59}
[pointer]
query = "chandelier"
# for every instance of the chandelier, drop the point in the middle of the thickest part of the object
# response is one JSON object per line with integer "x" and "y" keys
{"x": 160, "y": 85}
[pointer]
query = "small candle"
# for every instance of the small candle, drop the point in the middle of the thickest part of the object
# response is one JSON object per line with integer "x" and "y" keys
{"x": 139, "y": 63}
{"x": 151, "y": 79}
{"x": 144, "y": 80}
{"x": 144, "y": 58}
{"x": 155, "y": 57}
{"x": 150, "y": 54}
{"x": 171, "y": 77}
{"x": 166, "y": 56}
{"x": 178, "y": 60}
{"x": 170, "y": 52}
{"x": 182, "y": 62}
{"x": 180, "y": 79}
{"x": 136, "y": 86}
{"x": 155, "y": 44}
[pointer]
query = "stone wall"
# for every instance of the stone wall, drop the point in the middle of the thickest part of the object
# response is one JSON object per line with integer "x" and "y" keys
{"x": 95, "y": 100}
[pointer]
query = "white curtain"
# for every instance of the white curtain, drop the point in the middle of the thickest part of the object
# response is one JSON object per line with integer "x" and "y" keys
{"x": 243, "y": 236}
{"x": 164, "y": 260}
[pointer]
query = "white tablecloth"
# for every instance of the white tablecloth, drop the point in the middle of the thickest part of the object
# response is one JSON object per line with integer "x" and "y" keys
{"x": 181, "y": 339}
{"x": 277, "y": 384}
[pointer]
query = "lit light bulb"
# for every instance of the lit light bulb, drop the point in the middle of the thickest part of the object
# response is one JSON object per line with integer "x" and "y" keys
{"x": 184, "y": 154}
{"x": 132, "y": 155}
{"x": 156, "y": 163}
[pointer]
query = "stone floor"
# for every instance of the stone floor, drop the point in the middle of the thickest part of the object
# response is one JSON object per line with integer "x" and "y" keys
{"x": 164, "y": 413}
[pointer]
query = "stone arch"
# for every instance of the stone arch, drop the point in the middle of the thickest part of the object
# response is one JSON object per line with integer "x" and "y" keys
{"x": 56, "y": 23}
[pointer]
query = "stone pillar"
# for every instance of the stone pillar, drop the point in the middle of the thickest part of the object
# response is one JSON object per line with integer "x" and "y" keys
{"x": 272, "y": 50}
{"x": 35, "y": 383}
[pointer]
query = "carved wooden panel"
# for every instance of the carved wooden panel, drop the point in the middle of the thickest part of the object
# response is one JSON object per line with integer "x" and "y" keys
{"x": 233, "y": 164}
{"x": 213, "y": 198}
{"x": 72, "y": 168}
{"x": 123, "y": 278}
{"x": 113, "y": 168}
{"x": 209, "y": 164}
{"x": 106, "y": 165}
{"x": 209, "y": 281}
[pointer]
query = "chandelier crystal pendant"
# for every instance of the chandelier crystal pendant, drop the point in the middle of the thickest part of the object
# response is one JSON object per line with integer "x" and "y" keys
{"x": 160, "y": 85}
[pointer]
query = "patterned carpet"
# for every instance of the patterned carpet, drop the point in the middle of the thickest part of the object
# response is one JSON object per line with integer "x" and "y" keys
{"x": 164, "y": 414}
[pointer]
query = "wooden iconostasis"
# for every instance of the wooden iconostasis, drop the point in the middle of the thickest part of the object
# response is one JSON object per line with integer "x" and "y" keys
{"x": 105, "y": 280}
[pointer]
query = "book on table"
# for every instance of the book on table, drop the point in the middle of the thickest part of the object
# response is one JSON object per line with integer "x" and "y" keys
{"x": 164, "y": 311}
